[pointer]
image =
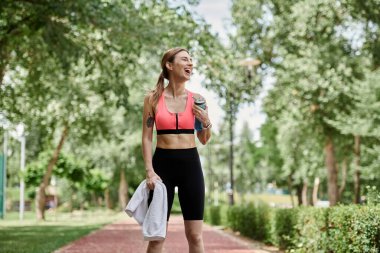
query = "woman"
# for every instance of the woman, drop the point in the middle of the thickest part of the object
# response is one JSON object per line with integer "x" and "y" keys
{"x": 176, "y": 160}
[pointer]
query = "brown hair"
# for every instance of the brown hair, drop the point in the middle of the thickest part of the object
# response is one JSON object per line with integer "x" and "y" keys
{"x": 159, "y": 89}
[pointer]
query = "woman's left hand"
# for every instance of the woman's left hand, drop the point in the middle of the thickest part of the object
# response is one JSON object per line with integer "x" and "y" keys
{"x": 201, "y": 115}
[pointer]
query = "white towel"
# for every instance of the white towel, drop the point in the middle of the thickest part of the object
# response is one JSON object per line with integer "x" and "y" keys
{"x": 138, "y": 204}
{"x": 152, "y": 219}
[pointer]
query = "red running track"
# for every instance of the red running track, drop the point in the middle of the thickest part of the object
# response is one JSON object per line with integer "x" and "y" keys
{"x": 125, "y": 237}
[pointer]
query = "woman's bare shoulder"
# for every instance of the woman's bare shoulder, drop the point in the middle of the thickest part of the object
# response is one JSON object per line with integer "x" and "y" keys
{"x": 195, "y": 94}
{"x": 198, "y": 96}
{"x": 148, "y": 97}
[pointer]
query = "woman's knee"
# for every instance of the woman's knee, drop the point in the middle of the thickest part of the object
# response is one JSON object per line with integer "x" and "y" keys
{"x": 156, "y": 244}
{"x": 194, "y": 238}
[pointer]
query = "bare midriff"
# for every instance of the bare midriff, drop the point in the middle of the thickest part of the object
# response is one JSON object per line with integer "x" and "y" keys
{"x": 176, "y": 141}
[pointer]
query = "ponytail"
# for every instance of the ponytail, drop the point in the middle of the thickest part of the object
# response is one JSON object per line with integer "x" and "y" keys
{"x": 157, "y": 92}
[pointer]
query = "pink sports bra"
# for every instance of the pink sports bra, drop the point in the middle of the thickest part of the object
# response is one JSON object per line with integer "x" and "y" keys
{"x": 175, "y": 123}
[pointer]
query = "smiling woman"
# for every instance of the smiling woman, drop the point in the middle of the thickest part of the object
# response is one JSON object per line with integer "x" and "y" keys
{"x": 172, "y": 110}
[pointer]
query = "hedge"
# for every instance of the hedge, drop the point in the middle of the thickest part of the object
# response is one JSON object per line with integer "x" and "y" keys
{"x": 252, "y": 220}
{"x": 352, "y": 228}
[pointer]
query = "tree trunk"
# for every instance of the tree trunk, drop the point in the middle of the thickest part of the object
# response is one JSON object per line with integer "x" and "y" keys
{"x": 41, "y": 196}
{"x": 315, "y": 191}
{"x": 70, "y": 205}
{"x": 40, "y": 202}
{"x": 304, "y": 194}
{"x": 123, "y": 190}
{"x": 332, "y": 173}
{"x": 107, "y": 198}
{"x": 344, "y": 178}
{"x": 357, "y": 170}
{"x": 290, "y": 190}
{"x": 99, "y": 201}
{"x": 299, "y": 194}
{"x": 93, "y": 198}
{"x": 4, "y": 56}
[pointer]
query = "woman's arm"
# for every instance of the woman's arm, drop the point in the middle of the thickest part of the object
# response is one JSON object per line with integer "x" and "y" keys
{"x": 147, "y": 136}
{"x": 202, "y": 115}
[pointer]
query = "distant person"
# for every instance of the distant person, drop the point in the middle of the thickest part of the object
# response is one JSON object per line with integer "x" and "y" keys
{"x": 175, "y": 160}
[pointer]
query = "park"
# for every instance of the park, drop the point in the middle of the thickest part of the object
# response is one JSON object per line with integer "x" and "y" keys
{"x": 293, "y": 95}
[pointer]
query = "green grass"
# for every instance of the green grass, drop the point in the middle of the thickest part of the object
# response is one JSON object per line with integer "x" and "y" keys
{"x": 31, "y": 236}
{"x": 271, "y": 199}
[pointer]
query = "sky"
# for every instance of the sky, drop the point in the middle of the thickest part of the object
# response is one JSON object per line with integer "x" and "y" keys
{"x": 217, "y": 14}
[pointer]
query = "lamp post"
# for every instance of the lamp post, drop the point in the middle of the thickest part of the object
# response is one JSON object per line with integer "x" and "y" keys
{"x": 22, "y": 168}
{"x": 18, "y": 134}
{"x": 3, "y": 176}
{"x": 231, "y": 125}
{"x": 250, "y": 63}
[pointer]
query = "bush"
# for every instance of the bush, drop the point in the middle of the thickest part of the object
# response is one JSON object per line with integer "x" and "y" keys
{"x": 373, "y": 195}
{"x": 233, "y": 217}
{"x": 311, "y": 230}
{"x": 223, "y": 215}
{"x": 247, "y": 222}
{"x": 308, "y": 229}
{"x": 214, "y": 215}
{"x": 354, "y": 229}
{"x": 264, "y": 220}
{"x": 251, "y": 220}
{"x": 285, "y": 227}
{"x": 242, "y": 219}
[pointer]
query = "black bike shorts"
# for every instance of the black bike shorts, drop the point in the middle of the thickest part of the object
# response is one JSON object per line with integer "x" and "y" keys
{"x": 181, "y": 168}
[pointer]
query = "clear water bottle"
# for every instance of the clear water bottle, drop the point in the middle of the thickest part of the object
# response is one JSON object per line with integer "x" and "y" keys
{"x": 202, "y": 104}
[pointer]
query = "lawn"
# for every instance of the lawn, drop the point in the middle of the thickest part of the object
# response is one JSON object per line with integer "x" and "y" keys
{"x": 31, "y": 236}
{"x": 278, "y": 200}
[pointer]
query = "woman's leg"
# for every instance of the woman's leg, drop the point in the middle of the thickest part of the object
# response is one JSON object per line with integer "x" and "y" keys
{"x": 155, "y": 246}
{"x": 193, "y": 230}
{"x": 191, "y": 193}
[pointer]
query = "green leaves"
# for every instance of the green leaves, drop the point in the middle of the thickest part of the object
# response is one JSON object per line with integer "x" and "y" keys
{"x": 67, "y": 167}
{"x": 322, "y": 55}
{"x": 87, "y": 65}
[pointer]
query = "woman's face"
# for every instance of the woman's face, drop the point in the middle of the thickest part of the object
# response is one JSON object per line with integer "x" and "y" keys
{"x": 182, "y": 66}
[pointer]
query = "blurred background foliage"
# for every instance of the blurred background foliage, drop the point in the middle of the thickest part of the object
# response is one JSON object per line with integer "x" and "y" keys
{"x": 75, "y": 73}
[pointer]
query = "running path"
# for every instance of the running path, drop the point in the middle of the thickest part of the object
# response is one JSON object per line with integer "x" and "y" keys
{"x": 125, "y": 237}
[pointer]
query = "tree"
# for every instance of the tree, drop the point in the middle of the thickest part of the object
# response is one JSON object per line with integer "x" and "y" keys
{"x": 315, "y": 64}
{"x": 72, "y": 61}
{"x": 362, "y": 120}
{"x": 230, "y": 81}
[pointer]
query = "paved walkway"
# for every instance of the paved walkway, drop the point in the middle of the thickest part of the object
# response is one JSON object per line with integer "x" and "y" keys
{"x": 125, "y": 237}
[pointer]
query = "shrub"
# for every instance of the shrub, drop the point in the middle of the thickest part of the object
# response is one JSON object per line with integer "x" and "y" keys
{"x": 311, "y": 230}
{"x": 223, "y": 215}
{"x": 264, "y": 220}
{"x": 285, "y": 227}
{"x": 248, "y": 220}
{"x": 242, "y": 219}
{"x": 354, "y": 229}
{"x": 206, "y": 215}
{"x": 214, "y": 215}
{"x": 373, "y": 195}
{"x": 233, "y": 217}
{"x": 251, "y": 220}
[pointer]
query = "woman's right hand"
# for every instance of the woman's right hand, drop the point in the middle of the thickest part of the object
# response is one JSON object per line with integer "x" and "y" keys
{"x": 151, "y": 178}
